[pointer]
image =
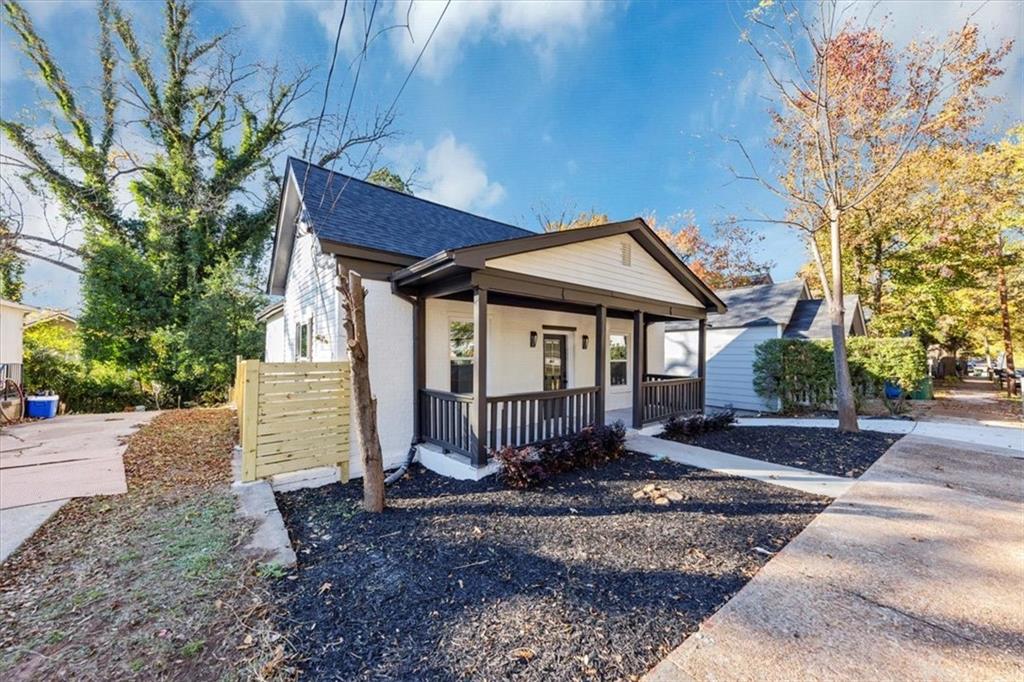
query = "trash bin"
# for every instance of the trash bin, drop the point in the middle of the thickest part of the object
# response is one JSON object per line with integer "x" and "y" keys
{"x": 41, "y": 406}
{"x": 923, "y": 390}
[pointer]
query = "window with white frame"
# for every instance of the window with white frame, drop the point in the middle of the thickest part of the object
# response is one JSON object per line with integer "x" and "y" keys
{"x": 304, "y": 340}
{"x": 618, "y": 360}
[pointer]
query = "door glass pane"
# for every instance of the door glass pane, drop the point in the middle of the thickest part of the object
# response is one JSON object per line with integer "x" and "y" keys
{"x": 554, "y": 363}
{"x": 460, "y": 352}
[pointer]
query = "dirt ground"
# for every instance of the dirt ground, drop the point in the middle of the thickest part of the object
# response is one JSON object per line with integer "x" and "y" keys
{"x": 149, "y": 584}
{"x": 972, "y": 399}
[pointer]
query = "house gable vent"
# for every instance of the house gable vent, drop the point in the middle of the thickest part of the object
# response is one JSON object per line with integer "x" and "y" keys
{"x": 627, "y": 254}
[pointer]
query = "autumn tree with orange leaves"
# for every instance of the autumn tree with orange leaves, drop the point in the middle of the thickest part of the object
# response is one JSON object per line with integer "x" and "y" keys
{"x": 848, "y": 108}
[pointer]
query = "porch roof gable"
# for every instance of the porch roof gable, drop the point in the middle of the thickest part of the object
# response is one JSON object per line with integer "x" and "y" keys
{"x": 476, "y": 256}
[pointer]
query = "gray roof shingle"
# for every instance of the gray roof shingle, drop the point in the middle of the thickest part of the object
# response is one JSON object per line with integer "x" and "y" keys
{"x": 761, "y": 304}
{"x": 351, "y": 211}
{"x": 810, "y": 319}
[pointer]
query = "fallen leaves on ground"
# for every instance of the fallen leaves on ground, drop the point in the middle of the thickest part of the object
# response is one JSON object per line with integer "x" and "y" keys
{"x": 146, "y": 584}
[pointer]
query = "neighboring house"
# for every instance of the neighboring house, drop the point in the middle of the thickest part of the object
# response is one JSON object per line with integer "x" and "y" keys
{"x": 12, "y": 320}
{"x": 571, "y": 323}
{"x": 756, "y": 313}
{"x": 274, "y": 348}
{"x": 55, "y": 318}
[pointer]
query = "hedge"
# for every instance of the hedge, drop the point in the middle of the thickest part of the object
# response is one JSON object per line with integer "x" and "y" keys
{"x": 801, "y": 373}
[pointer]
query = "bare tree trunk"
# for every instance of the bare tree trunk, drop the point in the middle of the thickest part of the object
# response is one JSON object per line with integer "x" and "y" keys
{"x": 820, "y": 265}
{"x": 1004, "y": 305}
{"x": 844, "y": 386}
{"x": 876, "y": 293}
{"x": 353, "y": 298}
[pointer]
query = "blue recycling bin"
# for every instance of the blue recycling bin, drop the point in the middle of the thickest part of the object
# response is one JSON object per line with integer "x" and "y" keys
{"x": 41, "y": 406}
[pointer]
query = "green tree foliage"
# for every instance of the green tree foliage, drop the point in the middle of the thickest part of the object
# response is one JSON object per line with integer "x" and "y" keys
{"x": 12, "y": 274}
{"x": 149, "y": 269}
{"x": 52, "y": 362}
{"x": 801, "y": 374}
{"x": 385, "y": 177}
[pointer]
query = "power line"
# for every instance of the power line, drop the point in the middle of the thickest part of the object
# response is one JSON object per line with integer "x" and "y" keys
{"x": 327, "y": 90}
{"x": 394, "y": 102}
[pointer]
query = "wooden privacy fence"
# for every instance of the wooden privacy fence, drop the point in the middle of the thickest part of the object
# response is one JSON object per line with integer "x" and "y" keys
{"x": 292, "y": 416}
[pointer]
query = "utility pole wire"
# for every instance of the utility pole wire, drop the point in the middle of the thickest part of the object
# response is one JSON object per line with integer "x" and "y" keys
{"x": 323, "y": 106}
{"x": 394, "y": 102}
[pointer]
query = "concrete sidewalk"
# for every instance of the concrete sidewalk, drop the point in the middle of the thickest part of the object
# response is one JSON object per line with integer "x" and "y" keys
{"x": 915, "y": 573}
{"x": 735, "y": 465}
{"x": 44, "y": 463}
{"x": 1010, "y": 440}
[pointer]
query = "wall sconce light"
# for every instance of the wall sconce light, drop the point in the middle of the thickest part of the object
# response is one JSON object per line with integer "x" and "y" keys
{"x": 586, "y": 341}
{"x": 533, "y": 339}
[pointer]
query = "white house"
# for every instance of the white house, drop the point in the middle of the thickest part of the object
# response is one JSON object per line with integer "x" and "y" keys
{"x": 755, "y": 314}
{"x": 12, "y": 319}
{"x": 481, "y": 334}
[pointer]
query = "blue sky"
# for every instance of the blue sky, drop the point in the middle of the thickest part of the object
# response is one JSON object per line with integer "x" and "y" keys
{"x": 519, "y": 106}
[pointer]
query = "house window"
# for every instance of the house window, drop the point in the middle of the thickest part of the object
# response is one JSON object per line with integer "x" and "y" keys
{"x": 618, "y": 360}
{"x": 460, "y": 353}
{"x": 304, "y": 340}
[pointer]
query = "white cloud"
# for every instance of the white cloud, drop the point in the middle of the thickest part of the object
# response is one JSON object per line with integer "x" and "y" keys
{"x": 449, "y": 173}
{"x": 455, "y": 176}
{"x": 543, "y": 25}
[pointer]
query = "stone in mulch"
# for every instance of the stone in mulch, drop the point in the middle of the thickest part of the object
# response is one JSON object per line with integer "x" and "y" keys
{"x": 824, "y": 450}
{"x": 575, "y": 579}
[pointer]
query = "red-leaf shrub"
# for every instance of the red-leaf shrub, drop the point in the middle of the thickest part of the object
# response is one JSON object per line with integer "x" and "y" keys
{"x": 528, "y": 466}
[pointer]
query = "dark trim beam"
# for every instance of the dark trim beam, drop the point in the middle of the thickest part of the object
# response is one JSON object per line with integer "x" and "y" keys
{"x": 600, "y": 360}
{"x": 478, "y": 412}
{"x": 419, "y": 363}
{"x": 702, "y": 346}
{"x": 639, "y": 367}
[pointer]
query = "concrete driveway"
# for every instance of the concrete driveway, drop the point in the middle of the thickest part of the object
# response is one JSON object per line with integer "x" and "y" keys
{"x": 44, "y": 463}
{"x": 915, "y": 573}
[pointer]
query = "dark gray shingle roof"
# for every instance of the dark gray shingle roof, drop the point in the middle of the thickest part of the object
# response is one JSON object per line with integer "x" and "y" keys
{"x": 347, "y": 210}
{"x": 810, "y": 319}
{"x": 761, "y": 304}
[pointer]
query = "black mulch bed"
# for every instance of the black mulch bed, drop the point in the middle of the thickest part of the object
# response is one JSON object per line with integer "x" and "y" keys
{"x": 824, "y": 450}
{"x": 570, "y": 581}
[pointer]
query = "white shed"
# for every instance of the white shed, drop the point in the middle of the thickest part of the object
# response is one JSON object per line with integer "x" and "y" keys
{"x": 12, "y": 319}
{"x": 755, "y": 314}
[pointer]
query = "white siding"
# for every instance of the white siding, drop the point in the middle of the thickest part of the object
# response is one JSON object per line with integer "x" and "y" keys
{"x": 311, "y": 294}
{"x": 274, "y": 346}
{"x": 11, "y": 319}
{"x": 730, "y": 360}
{"x": 599, "y": 263}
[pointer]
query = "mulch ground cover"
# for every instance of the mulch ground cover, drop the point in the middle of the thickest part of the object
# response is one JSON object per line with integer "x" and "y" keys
{"x": 586, "y": 577}
{"x": 824, "y": 450}
{"x": 146, "y": 585}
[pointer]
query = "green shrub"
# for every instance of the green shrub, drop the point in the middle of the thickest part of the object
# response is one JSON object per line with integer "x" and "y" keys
{"x": 52, "y": 363}
{"x": 801, "y": 374}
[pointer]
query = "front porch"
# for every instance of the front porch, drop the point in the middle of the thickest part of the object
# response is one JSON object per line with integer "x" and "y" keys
{"x": 584, "y": 357}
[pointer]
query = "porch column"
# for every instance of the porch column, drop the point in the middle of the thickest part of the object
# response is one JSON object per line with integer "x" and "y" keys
{"x": 600, "y": 361}
{"x": 478, "y": 410}
{"x": 701, "y": 362}
{"x": 419, "y": 363}
{"x": 639, "y": 366}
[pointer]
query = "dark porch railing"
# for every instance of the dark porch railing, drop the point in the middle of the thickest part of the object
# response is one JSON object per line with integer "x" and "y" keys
{"x": 664, "y": 396}
{"x": 512, "y": 420}
{"x": 525, "y": 418}
{"x": 445, "y": 420}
